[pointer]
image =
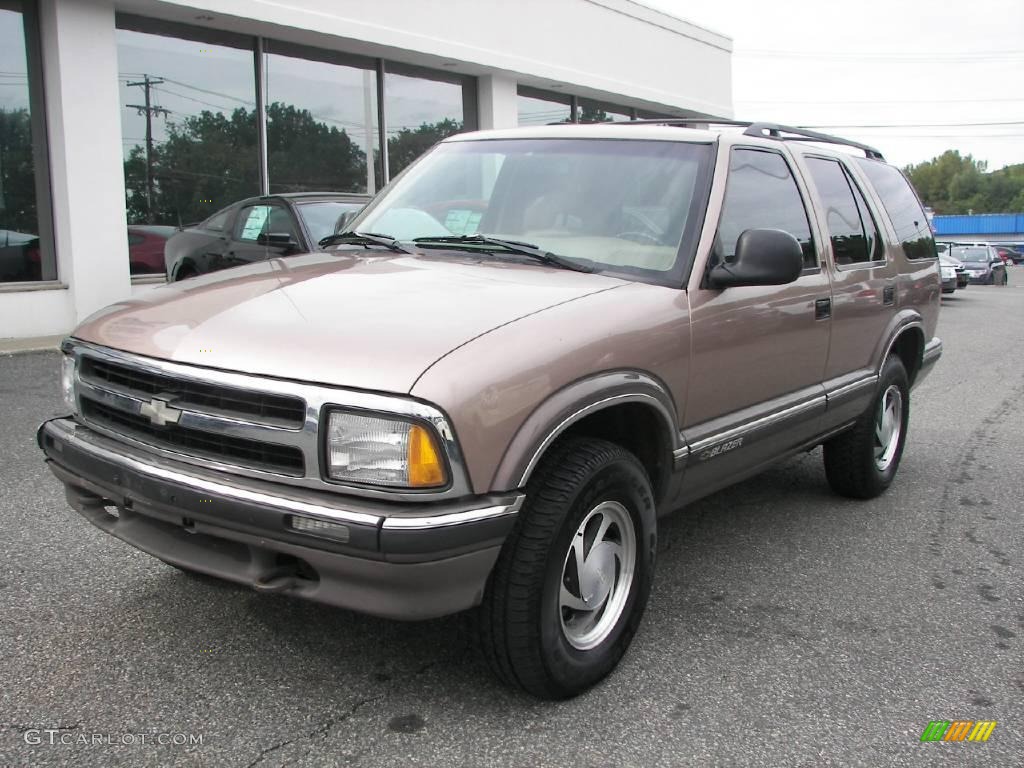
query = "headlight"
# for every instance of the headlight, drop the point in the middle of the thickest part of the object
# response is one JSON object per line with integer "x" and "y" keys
{"x": 383, "y": 451}
{"x": 67, "y": 382}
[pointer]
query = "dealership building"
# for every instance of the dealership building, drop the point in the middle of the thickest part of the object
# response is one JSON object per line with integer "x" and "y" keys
{"x": 121, "y": 121}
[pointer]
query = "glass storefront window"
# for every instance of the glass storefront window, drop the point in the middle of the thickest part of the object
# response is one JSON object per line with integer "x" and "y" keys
{"x": 188, "y": 121}
{"x": 321, "y": 126}
{"x": 420, "y": 112}
{"x": 537, "y": 111}
{"x": 24, "y": 254}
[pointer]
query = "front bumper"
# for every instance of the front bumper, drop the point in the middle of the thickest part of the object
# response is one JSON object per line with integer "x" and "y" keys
{"x": 397, "y": 560}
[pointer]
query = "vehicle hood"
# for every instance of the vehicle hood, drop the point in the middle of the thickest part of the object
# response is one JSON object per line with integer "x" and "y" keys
{"x": 340, "y": 318}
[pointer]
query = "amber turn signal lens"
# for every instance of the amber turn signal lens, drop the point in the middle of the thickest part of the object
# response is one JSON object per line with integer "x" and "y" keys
{"x": 426, "y": 469}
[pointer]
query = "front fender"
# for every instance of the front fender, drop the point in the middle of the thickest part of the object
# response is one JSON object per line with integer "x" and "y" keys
{"x": 574, "y": 402}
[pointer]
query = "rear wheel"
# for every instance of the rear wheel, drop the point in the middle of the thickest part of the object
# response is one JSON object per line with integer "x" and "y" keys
{"x": 862, "y": 462}
{"x": 572, "y": 580}
{"x": 186, "y": 272}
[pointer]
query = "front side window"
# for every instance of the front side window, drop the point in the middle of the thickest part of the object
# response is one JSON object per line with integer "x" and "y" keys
{"x": 903, "y": 208}
{"x": 851, "y": 230}
{"x": 761, "y": 193}
{"x": 612, "y": 205}
{"x": 257, "y": 220}
{"x": 327, "y": 217}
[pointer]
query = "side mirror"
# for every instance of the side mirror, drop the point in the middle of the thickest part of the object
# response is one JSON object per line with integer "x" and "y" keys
{"x": 277, "y": 240}
{"x": 763, "y": 257}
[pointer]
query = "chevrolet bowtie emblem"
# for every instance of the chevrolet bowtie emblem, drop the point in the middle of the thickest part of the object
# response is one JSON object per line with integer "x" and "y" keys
{"x": 159, "y": 413}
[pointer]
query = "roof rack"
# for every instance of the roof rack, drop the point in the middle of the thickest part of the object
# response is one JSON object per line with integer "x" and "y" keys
{"x": 763, "y": 131}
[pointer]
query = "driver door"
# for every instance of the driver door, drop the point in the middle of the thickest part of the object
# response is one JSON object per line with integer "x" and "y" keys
{"x": 758, "y": 353}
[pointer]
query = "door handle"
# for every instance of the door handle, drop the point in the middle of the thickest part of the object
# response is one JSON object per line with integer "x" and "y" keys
{"x": 822, "y": 309}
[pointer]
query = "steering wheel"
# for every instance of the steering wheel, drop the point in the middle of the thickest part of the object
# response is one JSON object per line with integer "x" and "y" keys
{"x": 637, "y": 236}
{"x": 651, "y": 232}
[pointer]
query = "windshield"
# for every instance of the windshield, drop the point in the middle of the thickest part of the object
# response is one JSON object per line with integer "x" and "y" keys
{"x": 322, "y": 218}
{"x": 971, "y": 254}
{"x": 621, "y": 206}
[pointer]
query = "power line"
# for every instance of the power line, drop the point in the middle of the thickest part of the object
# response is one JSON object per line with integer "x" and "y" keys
{"x": 147, "y": 84}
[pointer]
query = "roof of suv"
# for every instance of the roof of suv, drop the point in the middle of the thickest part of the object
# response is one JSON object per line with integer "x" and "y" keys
{"x": 674, "y": 130}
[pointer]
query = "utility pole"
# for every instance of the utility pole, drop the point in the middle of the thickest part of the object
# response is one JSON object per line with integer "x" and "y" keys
{"x": 148, "y": 110}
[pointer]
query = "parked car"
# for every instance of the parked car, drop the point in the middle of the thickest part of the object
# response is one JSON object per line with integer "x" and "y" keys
{"x": 257, "y": 229}
{"x": 948, "y": 273}
{"x": 963, "y": 278}
{"x": 146, "y": 248}
{"x": 506, "y": 370}
{"x": 1009, "y": 255}
{"x": 982, "y": 263}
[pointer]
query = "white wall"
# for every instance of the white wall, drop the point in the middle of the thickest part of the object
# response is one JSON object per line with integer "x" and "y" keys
{"x": 86, "y": 174}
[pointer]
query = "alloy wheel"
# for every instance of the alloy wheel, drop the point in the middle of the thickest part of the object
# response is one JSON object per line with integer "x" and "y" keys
{"x": 597, "y": 575}
{"x": 888, "y": 427}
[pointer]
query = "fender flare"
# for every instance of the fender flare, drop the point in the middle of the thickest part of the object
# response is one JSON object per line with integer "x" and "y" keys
{"x": 902, "y": 322}
{"x": 572, "y": 403}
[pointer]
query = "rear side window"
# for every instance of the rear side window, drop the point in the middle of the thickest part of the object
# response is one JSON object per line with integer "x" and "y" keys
{"x": 762, "y": 194}
{"x": 854, "y": 237}
{"x": 903, "y": 208}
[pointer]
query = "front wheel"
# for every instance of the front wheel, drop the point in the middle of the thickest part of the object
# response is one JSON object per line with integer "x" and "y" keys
{"x": 862, "y": 462}
{"x": 571, "y": 582}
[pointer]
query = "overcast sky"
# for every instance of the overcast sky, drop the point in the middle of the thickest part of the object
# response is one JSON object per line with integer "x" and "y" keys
{"x": 879, "y": 63}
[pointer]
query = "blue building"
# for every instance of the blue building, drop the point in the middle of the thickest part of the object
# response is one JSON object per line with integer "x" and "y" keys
{"x": 986, "y": 227}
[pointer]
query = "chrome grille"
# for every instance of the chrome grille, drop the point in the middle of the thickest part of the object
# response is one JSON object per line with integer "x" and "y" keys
{"x": 239, "y": 423}
{"x": 257, "y": 407}
{"x": 282, "y": 459}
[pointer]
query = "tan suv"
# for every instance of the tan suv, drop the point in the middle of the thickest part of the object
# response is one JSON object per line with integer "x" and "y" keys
{"x": 530, "y": 346}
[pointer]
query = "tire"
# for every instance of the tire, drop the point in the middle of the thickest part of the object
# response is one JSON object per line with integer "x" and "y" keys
{"x": 529, "y": 634}
{"x": 856, "y": 464}
{"x": 185, "y": 273}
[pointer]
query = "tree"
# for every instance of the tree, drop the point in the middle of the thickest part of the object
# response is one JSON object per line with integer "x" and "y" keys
{"x": 951, "y": 183}
{"x": 409, "y": 143}
{"x": 210, "y": 160}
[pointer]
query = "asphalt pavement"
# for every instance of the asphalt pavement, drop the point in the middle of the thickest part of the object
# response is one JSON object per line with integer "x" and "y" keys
{"x": 787, "y": 626}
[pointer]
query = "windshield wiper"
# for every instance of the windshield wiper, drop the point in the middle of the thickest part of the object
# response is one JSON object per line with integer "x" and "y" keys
{"x": 515, "y": 246}
{"x": 365, "y": 238}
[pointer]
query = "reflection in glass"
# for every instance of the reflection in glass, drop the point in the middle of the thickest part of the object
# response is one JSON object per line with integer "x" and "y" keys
{"x": 188, "y": 120}
{"x": 321, "y": 126}
{"x": 534, "y": 111}
{"x": 20, "y": 255}
{"x": 595, "y": 112}
{"x": 419, "y": 113}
